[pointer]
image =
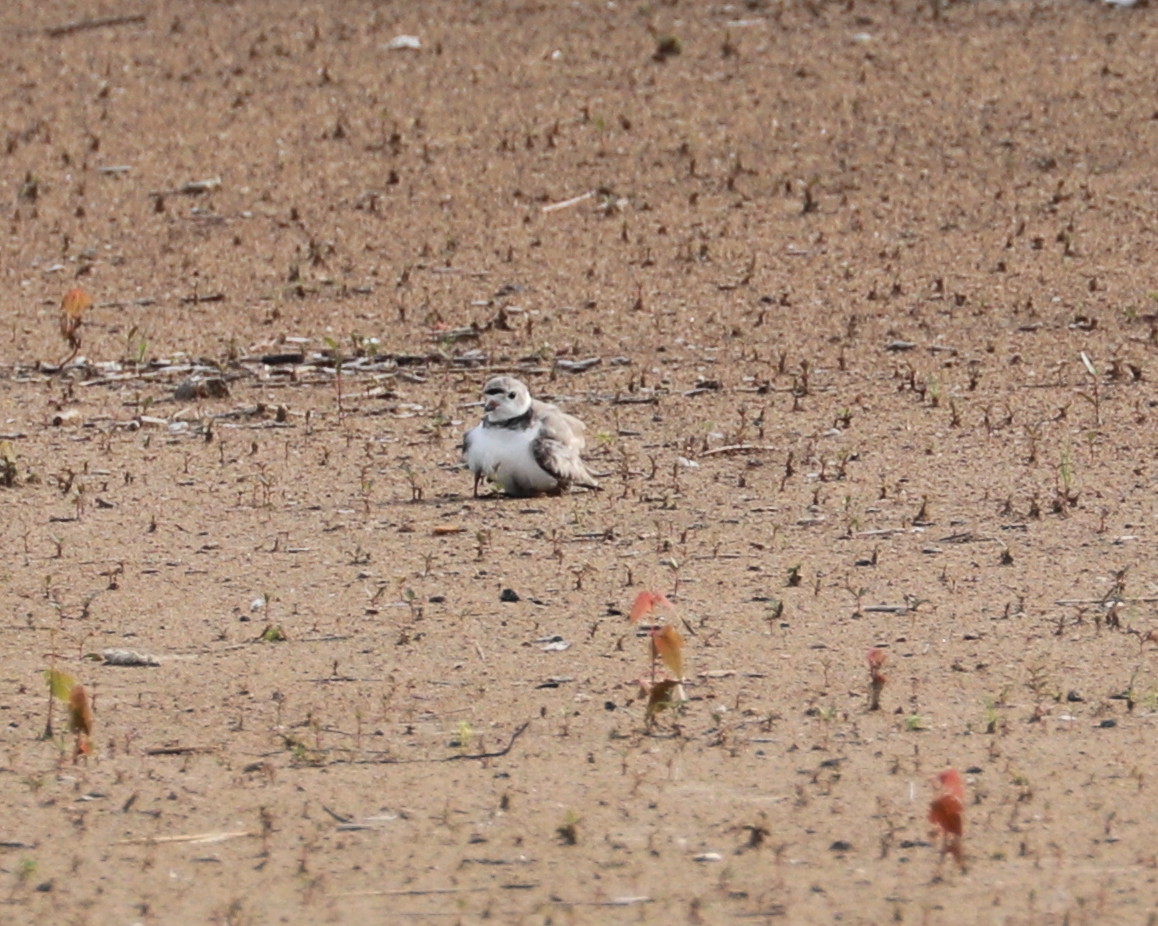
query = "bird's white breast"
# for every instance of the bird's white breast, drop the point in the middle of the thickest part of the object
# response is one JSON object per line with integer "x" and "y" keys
{"x": 506, "y": 456}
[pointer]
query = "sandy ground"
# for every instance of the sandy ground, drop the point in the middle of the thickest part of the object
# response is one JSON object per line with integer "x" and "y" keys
{"x": 859, "y": 307}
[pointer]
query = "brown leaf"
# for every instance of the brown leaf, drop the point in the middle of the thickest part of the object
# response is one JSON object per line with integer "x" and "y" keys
{"x": 664, "y": 694}
{"x": 79, "y": 711}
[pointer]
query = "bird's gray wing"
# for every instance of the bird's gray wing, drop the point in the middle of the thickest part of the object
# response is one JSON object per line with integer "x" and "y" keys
{"x": 557, "y": 425}
{"x": 558, "y": 445}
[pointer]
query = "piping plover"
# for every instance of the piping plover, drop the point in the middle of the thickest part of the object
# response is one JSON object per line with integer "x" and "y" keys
{"x": 526, "y": 447}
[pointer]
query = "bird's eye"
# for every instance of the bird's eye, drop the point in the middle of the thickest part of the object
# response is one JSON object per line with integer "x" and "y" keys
{"x": 510, "y": 395}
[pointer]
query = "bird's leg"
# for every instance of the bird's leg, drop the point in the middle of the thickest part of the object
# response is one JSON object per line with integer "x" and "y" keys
{"x": 477, "y": 480}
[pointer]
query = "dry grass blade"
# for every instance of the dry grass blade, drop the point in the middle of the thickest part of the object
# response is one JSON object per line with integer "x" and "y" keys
{"x": 221, "y": 836}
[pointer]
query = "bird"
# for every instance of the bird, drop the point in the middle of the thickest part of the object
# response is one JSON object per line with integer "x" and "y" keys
{"x": 524, "y": 446}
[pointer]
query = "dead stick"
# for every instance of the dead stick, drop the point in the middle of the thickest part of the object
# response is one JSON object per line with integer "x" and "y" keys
{"x": 412, "y": 893}
{"x": 337, "y": 816}
{"x": 493, "y": 755}
{"x": 100, "y": 22}
{"x": 737, "y": 448}
{"x": 568, "y": 203}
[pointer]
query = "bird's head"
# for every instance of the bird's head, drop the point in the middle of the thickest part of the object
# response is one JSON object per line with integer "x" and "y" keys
{"x": 504, "y": 398}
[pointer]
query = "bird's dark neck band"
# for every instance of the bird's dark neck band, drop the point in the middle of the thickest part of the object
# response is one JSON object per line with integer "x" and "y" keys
{"x": 518, "y": 423}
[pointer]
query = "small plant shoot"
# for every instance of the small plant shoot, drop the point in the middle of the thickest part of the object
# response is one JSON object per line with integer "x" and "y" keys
{"x": 72, "y": 308}
{"x": 877, "y": 658}
{"x": 946, "y": 812}
{"x": 64, "y": 688}
{"x": 666, "y": 647}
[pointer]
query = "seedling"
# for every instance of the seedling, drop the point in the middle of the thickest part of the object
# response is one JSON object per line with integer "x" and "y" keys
{"x": 63, "y": 687}
{"x": 1094, "y": 396}
{"x": 464, "y": 736}
{"x": 922, "y": 516}
{"x": 136, "y": 347}
{"x": 339, "y": 360}
{"x": 789, "y": 470}
{"x": 877, "y": 658}
{"x": 946, "y": 812}
{"x": 72, "y": 309}
{"x": 7, "y": 465}
{"x": 858, "y": 596}
{"x": 774, "y": 613}
{"x": 568, "y": 832}
{"x": 1065, "y": 495}
{"x": 273, "y": 633}
{"x": 1039, "y": 684}
{"x": 666, "y": 647}
{"x": 80, "y": 721}
{"x": 415, "y": 485}
{"x": 991, "y": 716}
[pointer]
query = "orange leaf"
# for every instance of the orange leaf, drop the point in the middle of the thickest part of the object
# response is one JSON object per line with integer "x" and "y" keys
{"x": 669, "y": 646}
{"x": 79, "y": 711}
{"x": 72, "y": 307}
{"x": 645, "y": 603}
{"x": 952, "y": 784}
{"x": 75, "y": 302}
{"x": 946, "y": 812}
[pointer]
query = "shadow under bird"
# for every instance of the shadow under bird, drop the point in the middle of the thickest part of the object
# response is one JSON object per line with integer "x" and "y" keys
{"x": 524, "y": 446}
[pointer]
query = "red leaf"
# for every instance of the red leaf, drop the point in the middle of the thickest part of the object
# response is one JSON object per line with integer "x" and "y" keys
{"x": 645, "y": 603}
{"x": 951, "y": 783}
{"x": 946, "y": 813}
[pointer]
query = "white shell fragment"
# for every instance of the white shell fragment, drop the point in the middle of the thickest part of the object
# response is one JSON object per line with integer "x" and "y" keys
{"x": 401, "y": 42}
